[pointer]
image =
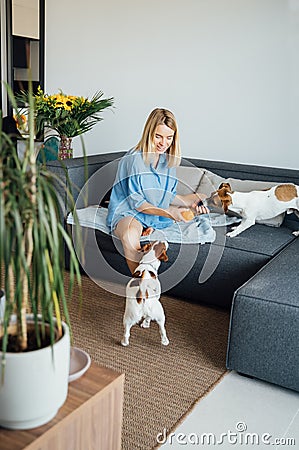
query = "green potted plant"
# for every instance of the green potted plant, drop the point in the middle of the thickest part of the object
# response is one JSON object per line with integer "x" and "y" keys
{"x": 67, "y": 115}
{"x": 34, "y": 325}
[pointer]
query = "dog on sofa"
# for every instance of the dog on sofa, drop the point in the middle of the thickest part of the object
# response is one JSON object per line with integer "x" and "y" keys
{"x": 255, "y": 205}
{"x": 143, "y": 292}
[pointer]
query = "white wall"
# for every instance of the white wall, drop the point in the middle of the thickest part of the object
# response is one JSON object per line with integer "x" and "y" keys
{"x": 228, "y": 69}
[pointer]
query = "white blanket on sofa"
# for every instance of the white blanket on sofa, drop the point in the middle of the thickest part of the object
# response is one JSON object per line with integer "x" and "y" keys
{"x": 197, "y": 231}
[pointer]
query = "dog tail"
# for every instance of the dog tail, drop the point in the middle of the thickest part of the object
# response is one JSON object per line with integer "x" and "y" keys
{"x": 142, "y": 294}
{"x": 147, "y": 288}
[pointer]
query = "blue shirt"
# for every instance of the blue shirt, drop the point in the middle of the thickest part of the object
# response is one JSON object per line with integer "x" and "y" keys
{"x": 136, "y": 183}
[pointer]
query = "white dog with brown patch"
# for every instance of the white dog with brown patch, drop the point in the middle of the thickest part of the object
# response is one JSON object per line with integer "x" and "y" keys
{"x": 255, "y": 205}
{"x": 143, "y": 292}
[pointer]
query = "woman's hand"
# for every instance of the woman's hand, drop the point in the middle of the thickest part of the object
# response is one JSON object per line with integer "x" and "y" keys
{"x": 192, "y": 201}
{"x": 201, "y": 209}
{"x": 175, "y": 213}
{"x": 199, "y": 206}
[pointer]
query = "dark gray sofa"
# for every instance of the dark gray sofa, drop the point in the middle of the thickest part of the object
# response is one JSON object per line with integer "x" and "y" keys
{"x": 225, "y": 273}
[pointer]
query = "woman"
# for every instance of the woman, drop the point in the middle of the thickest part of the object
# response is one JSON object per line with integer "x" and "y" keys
{"x": 144, "y": 196}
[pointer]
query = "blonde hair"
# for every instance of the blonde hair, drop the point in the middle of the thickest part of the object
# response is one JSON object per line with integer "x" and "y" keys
{"x": 160, "y": 116}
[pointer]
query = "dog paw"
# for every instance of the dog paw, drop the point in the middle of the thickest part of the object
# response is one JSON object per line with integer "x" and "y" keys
{"x": 164, "y": 341}
{"x": 124, "y": 342}
{"x": 232, "y": 234}
{"x": 296, "y": 233}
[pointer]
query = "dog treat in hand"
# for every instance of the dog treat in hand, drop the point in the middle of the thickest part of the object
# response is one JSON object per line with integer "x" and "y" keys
{"x": 188, "y": 215}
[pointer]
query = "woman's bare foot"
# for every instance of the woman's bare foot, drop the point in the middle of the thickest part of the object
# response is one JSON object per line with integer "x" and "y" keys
{"x": 147, "y": 231}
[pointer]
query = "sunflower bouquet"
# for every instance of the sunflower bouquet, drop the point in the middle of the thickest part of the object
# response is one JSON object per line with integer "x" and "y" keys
{"x": 69, "y": 115}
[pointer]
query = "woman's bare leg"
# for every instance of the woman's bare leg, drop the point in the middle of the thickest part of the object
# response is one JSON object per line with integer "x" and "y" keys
{"x": 129, "y": 231}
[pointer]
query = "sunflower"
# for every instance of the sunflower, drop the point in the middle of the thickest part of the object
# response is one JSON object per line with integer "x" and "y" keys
{"x": 68, "y": 115}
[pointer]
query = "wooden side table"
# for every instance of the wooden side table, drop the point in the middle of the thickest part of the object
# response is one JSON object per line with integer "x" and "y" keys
{"x": 90, "y": 419}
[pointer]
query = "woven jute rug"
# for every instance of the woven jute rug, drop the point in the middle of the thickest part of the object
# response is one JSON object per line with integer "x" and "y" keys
{"x": 162, "y": 384}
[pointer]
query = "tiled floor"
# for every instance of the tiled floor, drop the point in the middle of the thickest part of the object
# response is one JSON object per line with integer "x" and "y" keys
{"x": 240, "y": 413}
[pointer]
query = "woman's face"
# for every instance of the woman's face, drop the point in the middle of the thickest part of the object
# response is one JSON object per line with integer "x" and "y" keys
{"x": 163, "y": 138}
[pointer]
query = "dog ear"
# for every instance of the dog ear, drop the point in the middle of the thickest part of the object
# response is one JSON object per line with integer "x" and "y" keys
{"x": 145, "y": 248}
{"x": 226, "y": 204}
{"x": 137, "y": 274}
{"x": 226, "y": 199}
{"x": 160, "y": 251}
{"x": 163, "y": 256}
{"x": 152, "y": 274}
{"x": 223, "y": 193}
{"x": 227, "y": 186}
{"x": 134, "y": 283}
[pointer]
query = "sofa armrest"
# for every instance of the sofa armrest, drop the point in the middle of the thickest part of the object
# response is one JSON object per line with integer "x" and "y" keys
{"x": 85, "y": 179}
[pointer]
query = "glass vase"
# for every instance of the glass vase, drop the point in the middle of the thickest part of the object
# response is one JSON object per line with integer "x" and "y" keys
{"x": 65, "y": 148}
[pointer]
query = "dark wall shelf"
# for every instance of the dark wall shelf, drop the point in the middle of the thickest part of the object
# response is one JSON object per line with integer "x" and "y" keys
{"x": 24, "y": 53}
{"x": 21, "y": 52}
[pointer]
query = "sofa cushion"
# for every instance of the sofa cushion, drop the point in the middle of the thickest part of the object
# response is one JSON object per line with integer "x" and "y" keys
{"x": 189, "y": 179}
{"x": 262, "y": 240}
{"x": 210, "y": 181}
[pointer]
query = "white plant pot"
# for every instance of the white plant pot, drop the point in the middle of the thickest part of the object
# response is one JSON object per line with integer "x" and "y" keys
{"x": 35, "y": 385}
